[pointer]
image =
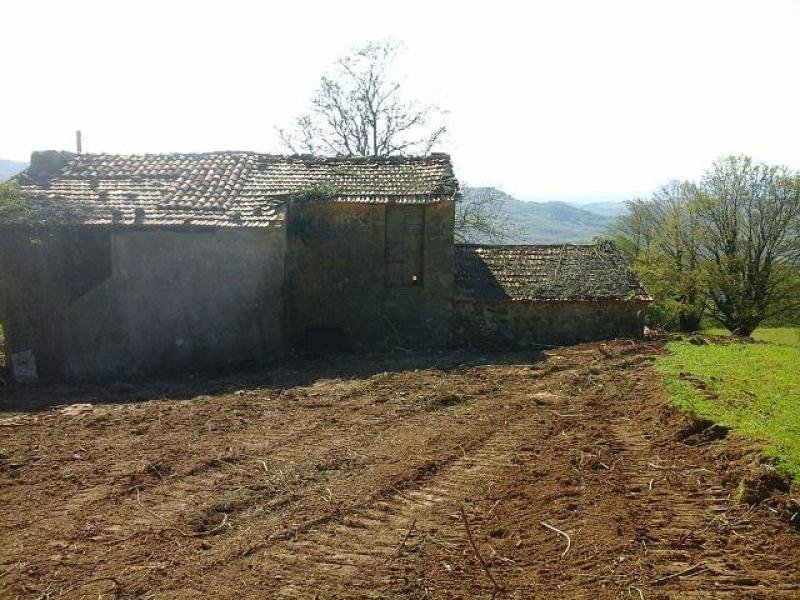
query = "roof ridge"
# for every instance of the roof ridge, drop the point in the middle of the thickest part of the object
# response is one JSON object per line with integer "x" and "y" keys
{"x": 559, "y": 245}
{"x": 432, "y": 157}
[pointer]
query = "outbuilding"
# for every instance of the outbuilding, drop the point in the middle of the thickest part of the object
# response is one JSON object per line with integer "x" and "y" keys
{"x": 528, "y": 295}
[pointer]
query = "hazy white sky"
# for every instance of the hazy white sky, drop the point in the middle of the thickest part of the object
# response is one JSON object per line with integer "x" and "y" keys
{"x": 546, "y": 99}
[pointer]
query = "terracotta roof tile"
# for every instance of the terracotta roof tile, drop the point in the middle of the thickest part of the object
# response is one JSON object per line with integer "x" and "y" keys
{"x": 545, "y": 273}
{"x": 222, "y": 189}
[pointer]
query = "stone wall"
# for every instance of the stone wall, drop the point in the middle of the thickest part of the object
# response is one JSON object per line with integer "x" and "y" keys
{"x": 338, "y": 296}
{"x": 519, "y": 324}
{"x": 84, "y": 302}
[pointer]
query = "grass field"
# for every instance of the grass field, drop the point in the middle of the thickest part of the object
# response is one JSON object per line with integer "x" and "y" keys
{"x": 785, "y": 336}
{"x": 756, "y": 388}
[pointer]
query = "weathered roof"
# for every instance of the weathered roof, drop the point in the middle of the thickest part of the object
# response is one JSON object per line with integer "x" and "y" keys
{"x": 233, "y": 189}
{"x": 545, "y": 273}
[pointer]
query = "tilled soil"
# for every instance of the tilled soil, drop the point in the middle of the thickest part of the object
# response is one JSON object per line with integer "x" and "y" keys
{"x": 349, "y": 481}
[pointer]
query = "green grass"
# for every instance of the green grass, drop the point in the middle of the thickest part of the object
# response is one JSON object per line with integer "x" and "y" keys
{"x": 758, "y": 388}
{"x": 785, "y": 336}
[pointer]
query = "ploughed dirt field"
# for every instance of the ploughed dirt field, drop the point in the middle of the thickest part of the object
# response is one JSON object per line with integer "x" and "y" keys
{"x": 348, "y": 480}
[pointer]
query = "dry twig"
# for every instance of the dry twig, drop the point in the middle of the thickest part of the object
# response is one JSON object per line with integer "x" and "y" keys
{"x": 693, "y": 570}
{"x": 405, "y": 539}
{"x": 7, "y": 571}
{"x": 639, "y": 591}
{"x": 478, "y": 553}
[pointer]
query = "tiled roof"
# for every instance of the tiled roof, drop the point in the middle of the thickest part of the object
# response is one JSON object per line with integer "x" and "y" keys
{"x": 233, "y": 189}
{"x": 544, "y": 273}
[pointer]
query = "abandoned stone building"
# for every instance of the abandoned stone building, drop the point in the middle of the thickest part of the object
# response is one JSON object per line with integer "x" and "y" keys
{"x": 545, "y": 294}
{"x": 130, "y": 263}
{"x": 123, "y": 264}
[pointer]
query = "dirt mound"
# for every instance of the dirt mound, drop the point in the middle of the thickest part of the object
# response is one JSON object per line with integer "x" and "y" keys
{"x": 760, "y": 482}
{"x": 547, "y": 398}
{"x": 696, "y": 431}
{"x": 444, "y": 401}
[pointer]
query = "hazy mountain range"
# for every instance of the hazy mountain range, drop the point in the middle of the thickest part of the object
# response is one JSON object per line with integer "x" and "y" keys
{"x": 552, "y": 222}
{"x": 9, "y": 168}
{"x": 535, "y": 222}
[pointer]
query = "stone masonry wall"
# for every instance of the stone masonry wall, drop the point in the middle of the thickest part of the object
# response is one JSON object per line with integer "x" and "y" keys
{"x": 84, "y": 303}
{"x": 519, "y": 324}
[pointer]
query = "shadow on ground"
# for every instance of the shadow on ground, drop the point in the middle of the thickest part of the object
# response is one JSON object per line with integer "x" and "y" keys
{"x": 295, "y": 372}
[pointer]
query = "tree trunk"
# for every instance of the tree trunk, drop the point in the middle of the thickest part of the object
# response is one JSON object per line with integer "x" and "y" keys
{"x": 689, "y": 321}
{"x": 742, "y": 328}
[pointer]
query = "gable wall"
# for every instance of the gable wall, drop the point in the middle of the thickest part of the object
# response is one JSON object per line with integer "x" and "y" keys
{"x": 336, "y": 279}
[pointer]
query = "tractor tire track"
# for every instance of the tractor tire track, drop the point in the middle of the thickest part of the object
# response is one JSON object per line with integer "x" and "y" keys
{"x": 356, "y": 551}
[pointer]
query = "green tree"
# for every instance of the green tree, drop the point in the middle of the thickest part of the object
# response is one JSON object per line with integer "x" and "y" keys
{"x": 660, "y": 236}
{"x": 749, "y": 214}
{"x": 727, "y": 246}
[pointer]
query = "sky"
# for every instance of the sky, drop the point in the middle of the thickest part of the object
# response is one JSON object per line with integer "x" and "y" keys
{"x": 567, "y": 99}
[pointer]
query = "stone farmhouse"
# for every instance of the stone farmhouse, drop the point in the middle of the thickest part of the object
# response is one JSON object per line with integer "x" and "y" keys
{"x": 125, "y": 264}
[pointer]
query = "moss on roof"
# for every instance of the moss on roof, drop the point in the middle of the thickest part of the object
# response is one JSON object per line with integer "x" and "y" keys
{"x": 591, "y": 272}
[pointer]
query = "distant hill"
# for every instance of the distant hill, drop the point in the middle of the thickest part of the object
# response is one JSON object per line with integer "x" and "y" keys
{"x": 604, "y": 209}
{"x": 548, "y": 222}
{"x": 9, "y": 168}
{"x": 607, "y": 205}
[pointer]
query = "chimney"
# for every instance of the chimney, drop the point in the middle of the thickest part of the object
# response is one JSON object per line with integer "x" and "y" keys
{"x": 47, "y": 164}
{"x": 78, "y": 141}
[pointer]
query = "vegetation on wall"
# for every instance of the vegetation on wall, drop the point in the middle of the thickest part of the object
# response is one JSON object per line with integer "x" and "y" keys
{"x": 10, "y": 199}
{"x": 727, "y": 246}
{"x": 316, "y": 193}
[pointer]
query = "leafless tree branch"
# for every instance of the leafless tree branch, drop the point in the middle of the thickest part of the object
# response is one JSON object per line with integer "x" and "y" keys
{"x": 359, "y": 109}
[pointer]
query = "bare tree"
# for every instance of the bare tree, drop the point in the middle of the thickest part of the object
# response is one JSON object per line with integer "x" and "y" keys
{"x": 480, "y": 217}
{"x": 750, "y": 241}
{"x": 635, "y": 230}
{"x": 360, "y": 109}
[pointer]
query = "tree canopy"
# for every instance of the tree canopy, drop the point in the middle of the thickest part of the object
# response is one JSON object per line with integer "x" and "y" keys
{"x": 727, "y": 245}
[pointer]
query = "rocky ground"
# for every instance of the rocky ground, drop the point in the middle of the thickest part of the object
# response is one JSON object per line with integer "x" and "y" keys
{"x": 555, "y": 475}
